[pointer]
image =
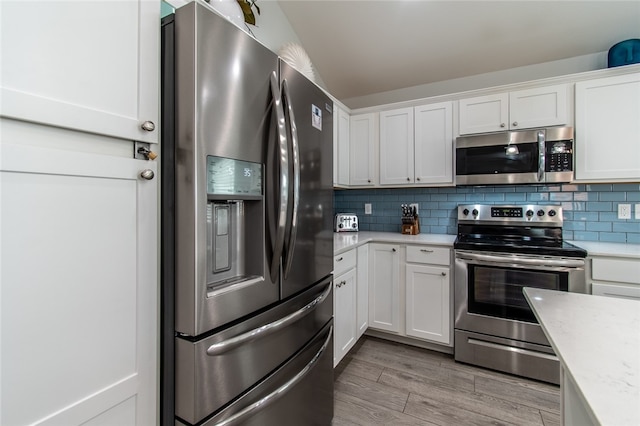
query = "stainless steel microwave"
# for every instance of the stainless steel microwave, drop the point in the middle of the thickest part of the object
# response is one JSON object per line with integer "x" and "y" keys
{"x": 519, "y": 157}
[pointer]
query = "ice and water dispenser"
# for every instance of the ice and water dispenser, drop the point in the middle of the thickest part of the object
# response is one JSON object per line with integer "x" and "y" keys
{"x": 234, "y": 223}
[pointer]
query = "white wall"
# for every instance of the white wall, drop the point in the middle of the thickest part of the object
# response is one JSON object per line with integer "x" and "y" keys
{"x": 515, "y": 75}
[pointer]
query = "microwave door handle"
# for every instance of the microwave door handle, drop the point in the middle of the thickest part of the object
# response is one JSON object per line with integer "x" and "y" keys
{"x": 290, "y": 248}
{"x": 283, "y": 191}
{"x": 541, "y": 155}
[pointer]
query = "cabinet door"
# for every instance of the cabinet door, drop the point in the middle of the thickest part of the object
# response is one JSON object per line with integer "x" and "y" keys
{"x": 362, "y": 304}
{"x": 341, "y": 147}
{"x": 90, "y": 66}
{"x": 396, "y": 147}
{"x": 539, "y": 107}
{"x": 384, "y": 287}
{"x": 428, "y": 303}
{"x": 362, "y": 150}
{"x": 607, "y": 144}
{"x": 433, "y": 146}
{"x": 344, "y": 335}
{"x": 484, "y": 114}
{"x": 79, "y": 288}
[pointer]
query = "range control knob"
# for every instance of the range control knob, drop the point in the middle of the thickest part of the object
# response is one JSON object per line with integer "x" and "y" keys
{"x": 465, "y": 212}
{"x": 475, "y": 212}
{"x": 355, "y": 225}
{"x": 529, "y": 213}
{"x": 540, "y": 212}
{"x": 552, "y": 213}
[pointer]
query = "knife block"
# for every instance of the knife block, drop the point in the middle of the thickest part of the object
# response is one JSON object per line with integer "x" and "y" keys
{"x": 411, "y": 228}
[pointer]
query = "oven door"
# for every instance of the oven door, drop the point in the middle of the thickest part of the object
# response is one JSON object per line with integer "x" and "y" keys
{"x": 488, "y": 291}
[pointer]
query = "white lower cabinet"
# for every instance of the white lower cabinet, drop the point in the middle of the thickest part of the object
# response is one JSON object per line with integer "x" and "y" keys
{"x": 384, "y": 287}
{"x": 410, "y": 291}
{"x": 344, "y": 294}
{"x": 362, "y": 296}
{"x": 615, "y": 277}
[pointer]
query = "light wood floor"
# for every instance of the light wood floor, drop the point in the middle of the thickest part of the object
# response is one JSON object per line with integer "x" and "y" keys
{"x": 387, "y": 383}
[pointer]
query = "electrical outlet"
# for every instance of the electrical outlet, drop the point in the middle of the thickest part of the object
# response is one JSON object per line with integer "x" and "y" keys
{"x": 624, "y": 211}
{"x": 637, "y": 211}
{"x": 367, "y": 208}
{"x": 417, "y": 207}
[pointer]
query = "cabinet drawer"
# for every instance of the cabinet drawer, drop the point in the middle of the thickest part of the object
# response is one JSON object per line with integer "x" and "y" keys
{"x": 617, "y": 270}
{"x": 616, "y": 290}
{"x": 428, "y": 254}
{"x": 343, "y": 262}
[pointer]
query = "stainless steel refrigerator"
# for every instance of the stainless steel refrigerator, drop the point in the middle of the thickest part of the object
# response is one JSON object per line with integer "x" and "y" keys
{"x": 246, "y": 222}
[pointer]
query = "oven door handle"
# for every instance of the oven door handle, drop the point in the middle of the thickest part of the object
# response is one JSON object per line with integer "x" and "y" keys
{"x": 571, "y": 263}
{"x": 267, "y": 329}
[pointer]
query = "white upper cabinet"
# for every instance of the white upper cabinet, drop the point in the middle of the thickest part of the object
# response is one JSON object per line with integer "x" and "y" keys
{"x": 523, "y": 109}
{"x": 90, "y": 66}
{"x": 433, "y": 144}
{"x": 362, "y": 150}
{"x": 607, "y": 133}
{"x": 340, "y": 146}
{"x": 396, "y": 147}
{"x": 416, "y": 145}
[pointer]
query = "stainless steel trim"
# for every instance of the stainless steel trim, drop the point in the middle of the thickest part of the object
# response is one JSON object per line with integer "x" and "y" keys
{"x": 512, "y": 349}
{"x": 281, "y": 391}
{"x": 521, "y": 259}
{"x": 267, "y": 329}
{"x": 288, "y": 260}
{"x": 284, "y": 178}
{"x": 541, "y": 151}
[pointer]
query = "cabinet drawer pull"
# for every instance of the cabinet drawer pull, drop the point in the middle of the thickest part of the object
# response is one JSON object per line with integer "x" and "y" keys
{"x": 340, "y": 284}
{"x": 339, "y": 259}
{"x": 426, "y": 251}
{"x": 393, "y": 250}
{"x": 444, "y": 274}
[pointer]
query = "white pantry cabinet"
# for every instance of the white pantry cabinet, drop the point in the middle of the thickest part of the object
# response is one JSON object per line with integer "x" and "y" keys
{"x": 362, "y": 150}
{"x": 91, "y": 66}
{"x": 428, "y": 293}
{"x": 522, "y": 109}
{"x": 615, "y": 277}
{"x": 384, "y": 287}
{"x": 79, "y": 283}
{"x": 341, "y": 132}
{"x": 608, "y": 129}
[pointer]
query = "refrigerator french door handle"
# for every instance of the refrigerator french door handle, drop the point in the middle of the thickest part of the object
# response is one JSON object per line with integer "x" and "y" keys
{"x": 267, "y": 329}
{"x": 541, "y": 154}
{"x": 288, "y": 259}
{"x": 283, "y": 201}
{"x": 280, "y": 392}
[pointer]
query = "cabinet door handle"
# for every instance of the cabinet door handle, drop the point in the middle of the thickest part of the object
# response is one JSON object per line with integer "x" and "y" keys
{"x": 426, "y": 251}
{"x": 444, "y": 274}
{"x": 393, "y": 250}
{"x": 515, "y": 123}
{"x": 502, "y": 125}
{"x": 340, "y": 284}
{"x": 149, "y": 126}
{"x": 339, "y": 259}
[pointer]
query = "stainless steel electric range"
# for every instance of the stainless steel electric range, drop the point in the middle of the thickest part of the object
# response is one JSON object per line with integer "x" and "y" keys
{"x": 499, "y": 250}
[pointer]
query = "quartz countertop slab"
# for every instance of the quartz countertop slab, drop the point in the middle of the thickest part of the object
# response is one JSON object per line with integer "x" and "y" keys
{"x": 598, "y": 342}
{"x": 344, "y": 241}
{"x": 598, "y": 248}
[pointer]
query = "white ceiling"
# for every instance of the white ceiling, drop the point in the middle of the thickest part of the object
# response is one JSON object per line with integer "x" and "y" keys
{"x": 370, "y": 46}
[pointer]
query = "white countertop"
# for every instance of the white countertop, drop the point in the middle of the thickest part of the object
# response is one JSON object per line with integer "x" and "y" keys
{"x": 598, "y": 342}
{"x": 597, "y": 248}
{"x": 343, "y": 241}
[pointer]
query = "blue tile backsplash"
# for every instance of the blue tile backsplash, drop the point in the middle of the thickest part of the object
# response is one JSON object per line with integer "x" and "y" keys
{"x": 590, "y": 211}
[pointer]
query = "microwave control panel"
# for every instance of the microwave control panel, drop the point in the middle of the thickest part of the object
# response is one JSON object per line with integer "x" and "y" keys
{"x": 559, "y": 156}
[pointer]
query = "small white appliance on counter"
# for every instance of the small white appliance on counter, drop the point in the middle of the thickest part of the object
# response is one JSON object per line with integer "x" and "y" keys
{"x": 346, "y": 222}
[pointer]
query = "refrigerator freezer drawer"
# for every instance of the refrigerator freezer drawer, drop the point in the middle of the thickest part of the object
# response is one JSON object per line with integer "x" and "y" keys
{"x": 216, "y": 369}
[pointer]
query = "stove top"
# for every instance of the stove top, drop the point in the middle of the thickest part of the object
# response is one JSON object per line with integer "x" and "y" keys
{"x": 525, "y": 229}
